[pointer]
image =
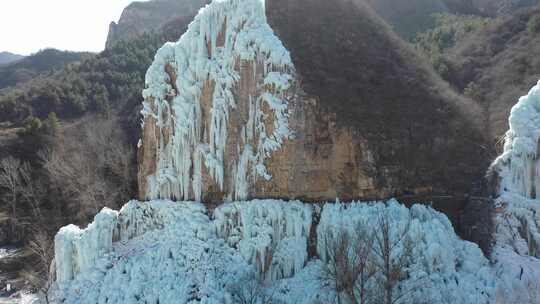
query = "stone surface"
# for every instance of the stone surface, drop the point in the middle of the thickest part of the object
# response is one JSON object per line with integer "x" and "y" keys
{"x": 140, "y": 17}
{"x": 369, "y": 120}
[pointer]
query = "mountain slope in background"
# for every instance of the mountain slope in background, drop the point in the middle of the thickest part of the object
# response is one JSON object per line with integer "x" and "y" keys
{"x": 7, "y": 57}
{"x": 500, "y": 7}
{"x": 409, "y": 17}
{"x": 42, "y": 62}
{"x": 496, "y": 64}
{"x": 140, "y": 17}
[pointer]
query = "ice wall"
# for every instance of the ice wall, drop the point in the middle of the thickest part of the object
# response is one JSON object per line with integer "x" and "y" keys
{"x": 518, "y": 165}
{"x": 76, "y": 250}
{"x": 169, "y": 254}
{"x": 440, "y": 267}
{"x": 192, "y": 137}
{"x": 172, "y": 252}
{"x": 79, "y": 250}
{"x": 517, "y": 220}
{"x": 272, "y": 235}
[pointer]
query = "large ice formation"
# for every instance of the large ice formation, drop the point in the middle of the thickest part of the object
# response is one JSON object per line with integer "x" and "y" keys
{"x": 172, "y": 252}
{"x": 78, "y": 250}
{"x": 168, "y": 254}
{"x": 192, "y": 89}
{"x": 517, "y": 220}
{"x": 518, "y": 165}
{"x": 441, "y": 267}
{"x": 271, "y": 236}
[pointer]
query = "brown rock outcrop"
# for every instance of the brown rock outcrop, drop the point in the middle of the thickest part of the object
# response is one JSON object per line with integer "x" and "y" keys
{"x": 141, "y": 17}
{"x": 367, "y": 118}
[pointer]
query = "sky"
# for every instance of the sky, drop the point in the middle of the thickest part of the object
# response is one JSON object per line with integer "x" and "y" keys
{"x": 26, "y": 26}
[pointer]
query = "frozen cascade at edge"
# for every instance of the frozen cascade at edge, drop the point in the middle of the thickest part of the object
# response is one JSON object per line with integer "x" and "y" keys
{"x": 518, "y": 166}
{"x": 516, "y": 250}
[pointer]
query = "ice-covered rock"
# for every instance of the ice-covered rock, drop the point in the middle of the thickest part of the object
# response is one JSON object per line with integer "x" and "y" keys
{"x": 169, "y": 254}
{"x": 441, "y": 268}
{"x": 518, "y": 173}
{"x": 216, "y": 101}
{"x": 172, "y": 252}
{"x": 516, "y": 250}
{"x": 271, "y": 235}
{"x": 78, "y": 250}
{"x": 518, "y": 165}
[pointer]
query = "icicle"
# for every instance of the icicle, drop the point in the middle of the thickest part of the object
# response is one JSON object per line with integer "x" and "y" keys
{"x": 196, "y": 59}
{"x": 267, "y": 228}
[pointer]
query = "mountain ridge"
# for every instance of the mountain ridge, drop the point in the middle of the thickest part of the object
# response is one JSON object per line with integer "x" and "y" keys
{"x": 140, "y": 17}
{"x": 7, "y": 58}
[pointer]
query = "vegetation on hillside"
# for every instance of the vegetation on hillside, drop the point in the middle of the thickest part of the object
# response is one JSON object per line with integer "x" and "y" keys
{"x": 408, "y": 17}
{"x": 493, "y": 62}
{"x": 376, "y": 85}
{"x": 74, "y": 147}
{"x": 99, "y": 83}
{"x": 449, "y": 30}
{"x": 41, "y": 64}
{"x": 79, "y": 169}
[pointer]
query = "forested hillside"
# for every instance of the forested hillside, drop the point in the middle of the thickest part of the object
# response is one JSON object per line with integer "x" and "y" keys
{"x": 40, "y": 64}
{"x": 491, "y": 60}
{"x": 7, "y": 57}
{"x": 68, "y": 139}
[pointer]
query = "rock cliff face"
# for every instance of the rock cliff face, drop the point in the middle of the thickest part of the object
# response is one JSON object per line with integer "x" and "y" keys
{"x": 140, "y": 17}
{"x": 234, "y": 110}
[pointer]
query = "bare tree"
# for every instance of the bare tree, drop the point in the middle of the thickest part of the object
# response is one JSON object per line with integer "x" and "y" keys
{"x": 251, "y": 289}
{"x": 40, "y": 275}
{"x": 92, "y": 167}
{"x": 393, "y": 249}
{"x": 349, "y": 262}
{"x": 14, "y": 177}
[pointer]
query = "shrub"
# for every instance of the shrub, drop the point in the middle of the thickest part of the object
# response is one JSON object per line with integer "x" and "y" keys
{"x": 534, "y": 24}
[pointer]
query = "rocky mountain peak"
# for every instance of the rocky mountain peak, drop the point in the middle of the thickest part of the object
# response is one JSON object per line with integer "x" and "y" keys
{"x": 140, "y": 17}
